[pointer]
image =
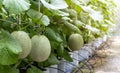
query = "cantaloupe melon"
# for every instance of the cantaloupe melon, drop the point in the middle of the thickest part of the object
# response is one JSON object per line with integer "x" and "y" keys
{"x": 41, "y": 48}
{"x": 25, "y": 42}
{"x": 75, "y": 42}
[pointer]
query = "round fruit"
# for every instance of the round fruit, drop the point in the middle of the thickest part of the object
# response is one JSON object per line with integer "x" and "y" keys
{"x": 25, "y": 42}
{"x": 41, "y": 48}
{"x": 75, "y": 42}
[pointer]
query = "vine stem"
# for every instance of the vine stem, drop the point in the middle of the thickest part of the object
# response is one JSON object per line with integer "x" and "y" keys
{"x": 6, "y": 21}
{"x": 19, "y": 21}
{"x": 25, "y": 27}
{"x": 16, "y": 65}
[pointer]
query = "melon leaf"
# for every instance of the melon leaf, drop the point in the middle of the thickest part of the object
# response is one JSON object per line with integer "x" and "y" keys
{"x": 9, "y": 49}
{"x": 6, "y": 69}
{"x": 66, "y": 56}
{"x": 53, "y": 60}
{"x": 38, "y": 17}
{"x": 34, "y": 69}
{"x": 16, "y": 6}
{"x": 52, "y": 35}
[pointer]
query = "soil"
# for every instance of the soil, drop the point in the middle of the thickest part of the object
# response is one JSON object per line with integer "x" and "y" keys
{"x": 112, "y": 64}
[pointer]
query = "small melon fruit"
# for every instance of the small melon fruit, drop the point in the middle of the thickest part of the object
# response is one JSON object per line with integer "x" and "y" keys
{"x": 41, "y": 48}
{"x": 75, "y": 42}
{"x": 25, "y": 42}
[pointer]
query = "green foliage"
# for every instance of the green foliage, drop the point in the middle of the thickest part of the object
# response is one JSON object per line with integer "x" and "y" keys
{"x": 16, "y": 6}
{"x": 9, "y": 49}
{"x": 52, "y": 60}
{"x": 34, "y": 69}
{"x": 52, "y": 35}
{"x": 38, "y": 17}
{"x": 6, "y": 69}
{"x": 55, "y": 19}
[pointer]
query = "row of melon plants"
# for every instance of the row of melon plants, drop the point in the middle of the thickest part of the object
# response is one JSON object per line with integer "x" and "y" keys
{"x": 35, "y": 34}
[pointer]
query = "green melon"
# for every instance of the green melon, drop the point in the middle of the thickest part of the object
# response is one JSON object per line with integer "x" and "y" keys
{"x": 41, "y": 48}
{"x": 75, "y": 42}
{"x": 25, "y": 42}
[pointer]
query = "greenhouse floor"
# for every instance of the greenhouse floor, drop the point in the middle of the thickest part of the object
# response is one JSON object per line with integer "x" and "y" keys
{"x": 112, "y": 64}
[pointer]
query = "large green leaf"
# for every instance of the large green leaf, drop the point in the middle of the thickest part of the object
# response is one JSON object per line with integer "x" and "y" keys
{"x": 8, "y": 69}
{"x": 16, "y": 6}
{"x": 38, "y": 17}
{"x": 66, "y": 56}
{"x": 34, "y": 69}
{"x": 9, "y": 49}
{"x": 55, "y": 4}
{"x": 52, "y": 35}
{"x": 63, "y": 53}
{"x": 52, "y": 60}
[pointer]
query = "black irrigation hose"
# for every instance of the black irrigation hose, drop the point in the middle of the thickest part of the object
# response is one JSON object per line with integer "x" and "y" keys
{"x": 58, "y": 69}
{"x": 70, "y": 63}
